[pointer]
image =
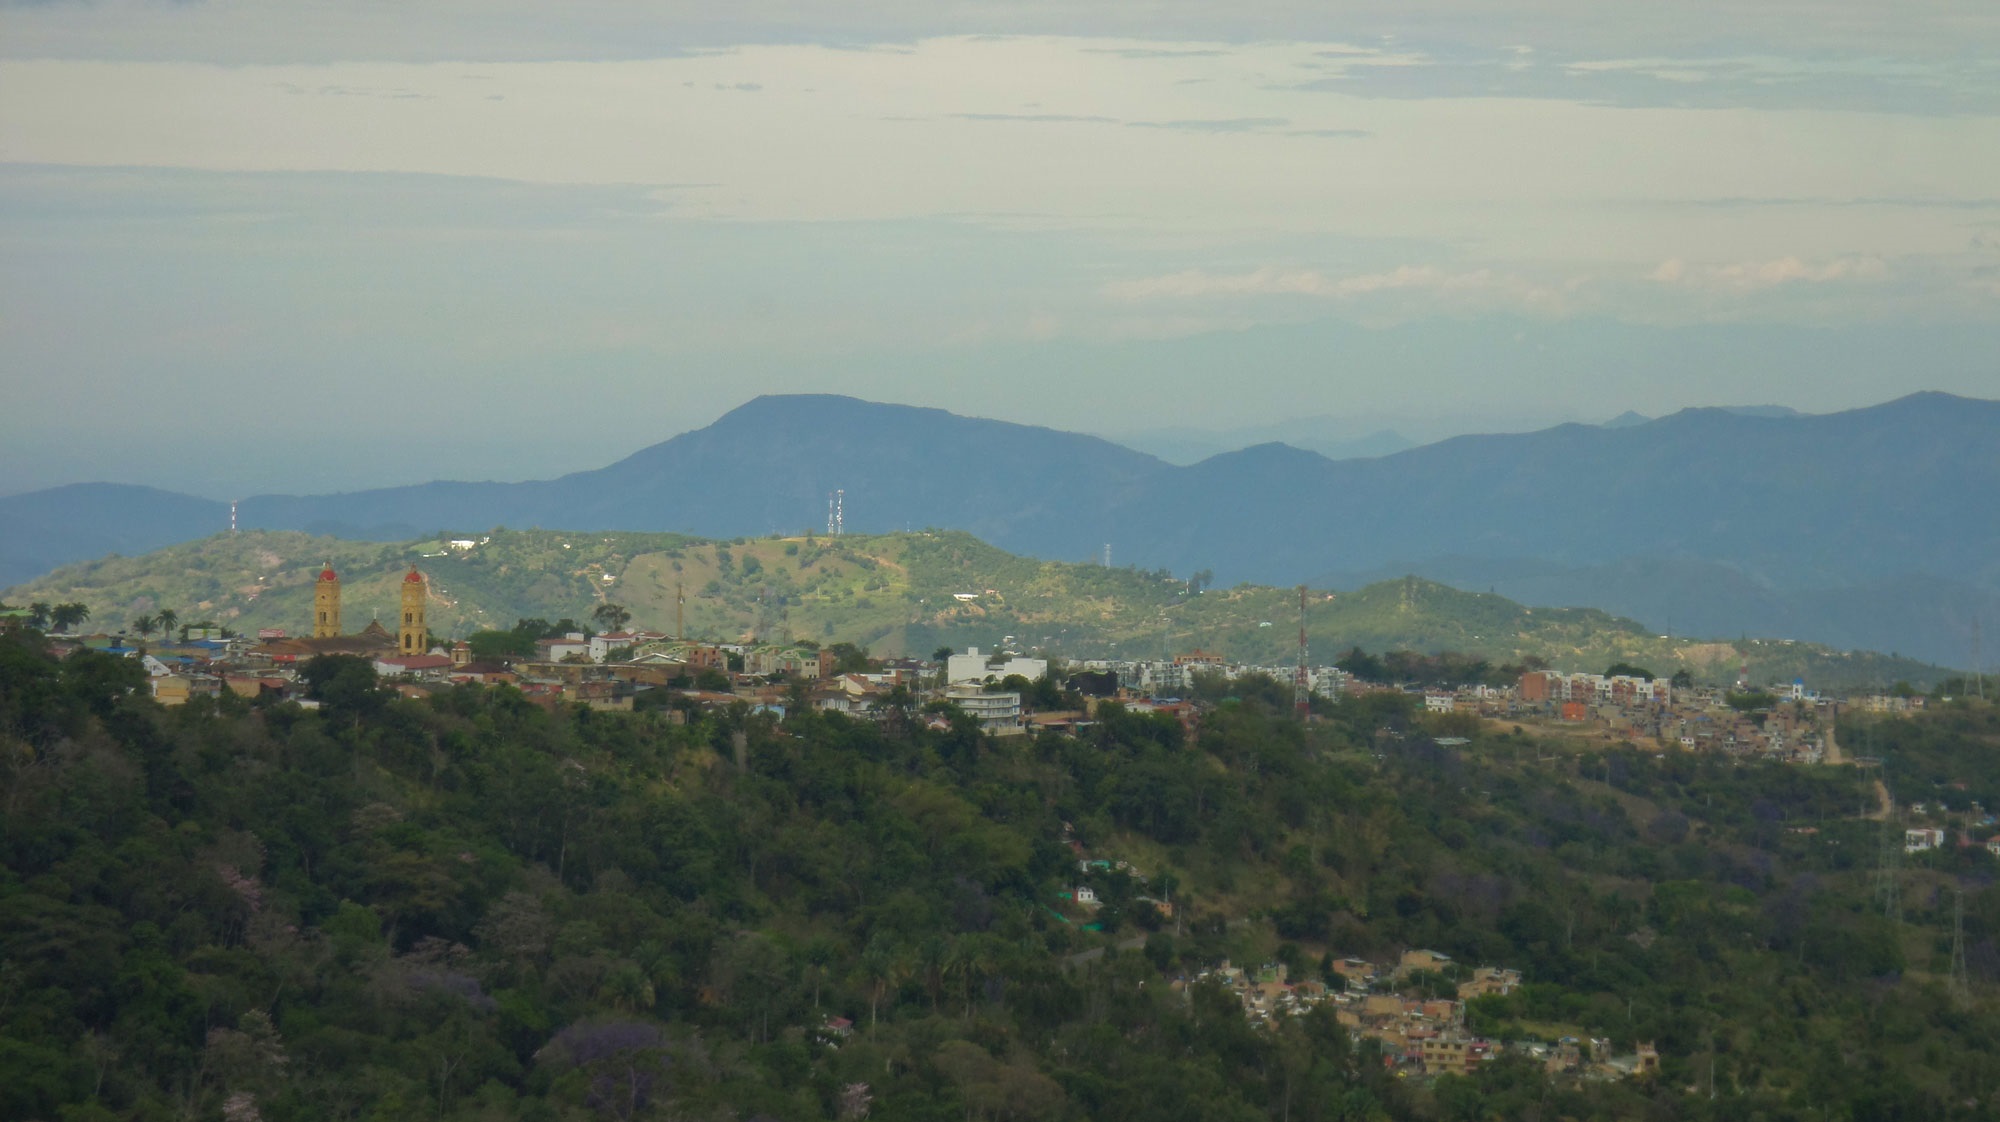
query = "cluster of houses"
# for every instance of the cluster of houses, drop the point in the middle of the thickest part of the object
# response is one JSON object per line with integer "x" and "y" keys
{"x": 1417, "y": 1033}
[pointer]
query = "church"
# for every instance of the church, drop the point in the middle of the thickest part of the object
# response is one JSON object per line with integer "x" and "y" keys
{"x": 411, "y": 638}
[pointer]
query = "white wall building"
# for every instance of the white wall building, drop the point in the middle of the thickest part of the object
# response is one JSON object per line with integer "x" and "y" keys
{"x": 973, "y": 666}
{"x": 996, "y": 712}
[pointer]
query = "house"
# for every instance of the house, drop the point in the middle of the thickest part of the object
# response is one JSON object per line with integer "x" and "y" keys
{"x": 1454, "y": 1053}
{"x": 1922, "y": 838}
{"x": 1489, "y": 981}
{"x": 486, "y": 673}
{"x": 611, "y": 642}
{"x": 1436, "y": 702}
{"x": 1422, "y": 960}
{"x": 571, "y": 646}
{"x": 171, "y": 689}
{"x": 414, "y": 666}
{"x": 1086, "y": 896}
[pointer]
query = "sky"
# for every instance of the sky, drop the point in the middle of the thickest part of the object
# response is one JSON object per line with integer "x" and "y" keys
{"x": 330, "y": 244}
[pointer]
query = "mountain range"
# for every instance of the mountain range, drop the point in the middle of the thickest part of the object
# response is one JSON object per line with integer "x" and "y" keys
{"x": 1861, "y": 528}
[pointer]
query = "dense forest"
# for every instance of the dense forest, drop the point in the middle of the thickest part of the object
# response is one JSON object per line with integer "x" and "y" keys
{"x": 467, "y": 906}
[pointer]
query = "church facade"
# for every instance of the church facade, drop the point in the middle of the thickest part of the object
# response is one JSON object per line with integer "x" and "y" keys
{"x": 412, "y": 635}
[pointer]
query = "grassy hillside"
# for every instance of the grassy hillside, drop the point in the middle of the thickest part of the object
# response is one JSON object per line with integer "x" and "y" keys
{"x": 895, "y": 593}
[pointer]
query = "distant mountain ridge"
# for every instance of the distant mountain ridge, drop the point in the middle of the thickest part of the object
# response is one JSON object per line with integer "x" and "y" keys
{"x": 1887, "y": 507}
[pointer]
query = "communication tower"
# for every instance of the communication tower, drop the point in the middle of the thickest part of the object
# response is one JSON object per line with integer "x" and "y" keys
{"x": 835, "y": 515}
{"x": 1302, "y": 679}
{"x": 232, "y": 516}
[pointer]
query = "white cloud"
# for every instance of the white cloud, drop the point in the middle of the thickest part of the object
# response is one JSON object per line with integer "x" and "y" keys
{"x": 1747, "y": 276}
{"x": 1476, "y": 285}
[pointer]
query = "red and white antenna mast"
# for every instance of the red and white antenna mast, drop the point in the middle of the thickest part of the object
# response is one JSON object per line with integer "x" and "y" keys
{"x": 1302, "y": 682}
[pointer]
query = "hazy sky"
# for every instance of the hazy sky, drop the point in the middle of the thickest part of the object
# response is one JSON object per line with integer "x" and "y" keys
{"x": 317, "y": 245}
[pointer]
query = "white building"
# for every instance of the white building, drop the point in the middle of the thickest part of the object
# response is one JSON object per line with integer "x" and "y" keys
{"x": 1922, "y": 838}
{"x": 973, "y": 666}
{"x": 996, "y": 712}
{"x": 605, "y": 645}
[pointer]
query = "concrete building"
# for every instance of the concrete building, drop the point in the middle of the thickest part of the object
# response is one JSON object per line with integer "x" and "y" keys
{"x": 996, "y": 712}
{"x": 972, "y": 666}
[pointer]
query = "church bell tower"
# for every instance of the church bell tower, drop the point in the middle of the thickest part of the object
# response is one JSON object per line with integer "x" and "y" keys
{"x": 412, "y": 635}
{"x": 326, "y": 604}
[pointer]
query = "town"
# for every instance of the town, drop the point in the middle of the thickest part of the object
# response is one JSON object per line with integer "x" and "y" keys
{"x": 1006, "y": 694}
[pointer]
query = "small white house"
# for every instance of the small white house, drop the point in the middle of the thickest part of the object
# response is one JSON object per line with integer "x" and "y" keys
{"x": 1086, "y": 896}
{"x": 1922, "y": 838}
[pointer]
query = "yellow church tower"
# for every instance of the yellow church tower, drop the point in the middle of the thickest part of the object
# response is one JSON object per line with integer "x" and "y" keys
{"x": 326, "y": 604}
{"x": 413, "y": 633}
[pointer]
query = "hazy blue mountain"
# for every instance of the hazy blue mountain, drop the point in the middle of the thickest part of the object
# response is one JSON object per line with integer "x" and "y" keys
{"x": 1329, "y": 436}
{"x": 40, "y": 530}
{"x": 769, "y": 467}
{"x": 1869, "y": 528}
{"x": 1626, "y": 420}
{"x": 1924, "y": 616}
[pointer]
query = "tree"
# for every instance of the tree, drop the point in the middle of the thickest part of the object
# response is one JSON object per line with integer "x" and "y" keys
{"x": 66, "y": 617}
{"x": 849, "y": 658}
{"x": 1683, "y": 679}
{"x": 167, "y": 618}
{"x": 38, "y": 615}
{"x": 145, "y": 625}
{"x": 1622, "y": 669}
{"x": 613, "y": 617}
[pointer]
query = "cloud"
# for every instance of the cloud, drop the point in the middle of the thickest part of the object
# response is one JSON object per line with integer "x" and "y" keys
{"x": 1335, "y": 133}
{"x": 1044, "y": 118}
{"x": 1158, "y": 52}
{"x": 1271, "y": 280}
{"x": 1747, "y": 276}
{"x": 1221, "y": 124}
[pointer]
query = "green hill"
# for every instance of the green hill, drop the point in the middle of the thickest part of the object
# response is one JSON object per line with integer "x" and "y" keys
{"x": 895, "y": 593}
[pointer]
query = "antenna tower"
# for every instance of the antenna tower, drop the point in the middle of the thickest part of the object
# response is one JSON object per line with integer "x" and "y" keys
{"x": 1107, "y": 555}
{"x": 829, "y": 514}
{"x": 1960, "y": 985}
{"x": 232, "y": 523}
{"x": 839, "y": 513}
{"x": 680, "y": 611}
{"x": 1302, "y": 680}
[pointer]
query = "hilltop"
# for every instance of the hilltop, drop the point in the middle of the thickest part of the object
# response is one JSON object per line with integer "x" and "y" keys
{"x": 1858, "y": 529}
{"x": 895, "y": 593}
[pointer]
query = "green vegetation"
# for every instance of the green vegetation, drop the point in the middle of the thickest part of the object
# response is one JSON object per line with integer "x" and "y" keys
{"x": 470, "y": 907}
{"x": 900, "y": 593}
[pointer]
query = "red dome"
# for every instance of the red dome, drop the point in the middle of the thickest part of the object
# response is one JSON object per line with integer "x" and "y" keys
{"x": 415, "y": 577}
{"x": 327, "y": 573}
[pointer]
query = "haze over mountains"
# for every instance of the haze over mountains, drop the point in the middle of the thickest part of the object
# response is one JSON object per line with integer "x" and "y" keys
{"x": 1868, "y": 528}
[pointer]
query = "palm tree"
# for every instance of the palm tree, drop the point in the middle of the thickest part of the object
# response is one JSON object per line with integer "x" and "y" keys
{"x": 67, "y": 616}
{"x": 38, "y": 615}
{"x": 145, "y": 625}
{"x": 167, "y": 618}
